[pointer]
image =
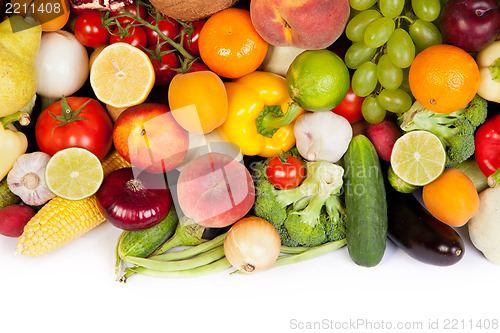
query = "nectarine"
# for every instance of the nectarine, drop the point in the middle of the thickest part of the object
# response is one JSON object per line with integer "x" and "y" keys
{"x": 307, "y": 24}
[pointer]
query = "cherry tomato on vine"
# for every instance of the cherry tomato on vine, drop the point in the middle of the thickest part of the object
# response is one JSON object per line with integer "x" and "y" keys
{"x": 196, "y": 67}
{"x": 163, "y": 71}
{"x": 132, "y": 9}
{"x": 137, "y": 37}
{"x": 190, "y": 41}
{"x": 350, "y": 107}
{"x": 88, "y": 29}
{"x": 90, "y": 128}
{"x": 168, "y": 26}
{"x": 285, "y": 171}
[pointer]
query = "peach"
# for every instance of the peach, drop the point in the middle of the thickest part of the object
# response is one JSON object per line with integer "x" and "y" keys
{"x": 306, "y": 24}
{"x": 215, "y": 190}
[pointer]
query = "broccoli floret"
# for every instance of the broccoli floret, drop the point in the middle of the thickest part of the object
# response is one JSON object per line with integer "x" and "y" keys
{"x": 455, "y": 129}
{"x": 308, "y": 215}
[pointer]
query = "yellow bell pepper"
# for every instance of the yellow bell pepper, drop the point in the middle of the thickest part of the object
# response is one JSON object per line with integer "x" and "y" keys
{"x": 12, "y": 143}
{"x": 261, "y": 114}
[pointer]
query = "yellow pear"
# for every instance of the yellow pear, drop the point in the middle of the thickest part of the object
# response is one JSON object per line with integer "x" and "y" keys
{"x": 19, "y": 44}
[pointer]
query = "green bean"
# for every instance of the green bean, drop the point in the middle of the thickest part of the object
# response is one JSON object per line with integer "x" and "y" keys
{"x": 191, "y": 251}
{"x": 310, "y": 253}
{"x": 294, "y": 249}
{"x": 178, "y": 265}
{"x": 215, "y": 267}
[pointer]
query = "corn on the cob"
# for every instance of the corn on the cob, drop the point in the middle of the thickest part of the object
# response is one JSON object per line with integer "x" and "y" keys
{"x": 114, "y": 161}
{"x": 61, "y": 220}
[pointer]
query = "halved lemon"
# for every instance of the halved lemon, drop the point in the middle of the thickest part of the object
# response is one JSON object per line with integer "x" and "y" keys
{"x": 418, "y": 157}
{"x": 74, "y": 173}
{"x": 122, "y": 75}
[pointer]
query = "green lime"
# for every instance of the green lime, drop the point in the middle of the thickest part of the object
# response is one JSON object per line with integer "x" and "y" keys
{"x": 74, "y": 173}
{"x": 418, "y": 157}
{"x": 318, "y": 80}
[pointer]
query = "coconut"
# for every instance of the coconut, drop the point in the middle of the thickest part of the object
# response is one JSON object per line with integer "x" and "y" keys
{"x": 190, "y": 10}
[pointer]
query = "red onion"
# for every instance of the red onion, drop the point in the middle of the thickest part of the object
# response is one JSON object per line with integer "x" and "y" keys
{"x": 134, "y": 202}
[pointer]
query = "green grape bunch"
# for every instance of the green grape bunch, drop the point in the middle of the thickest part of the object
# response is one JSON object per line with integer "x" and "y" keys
{"x": 386, "y": 36}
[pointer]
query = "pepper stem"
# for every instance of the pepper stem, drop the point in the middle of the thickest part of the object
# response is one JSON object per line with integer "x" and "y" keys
{"x": 270, "y": 121}
{"x": 22, "y": 117}
{"x": 494, "y": 178}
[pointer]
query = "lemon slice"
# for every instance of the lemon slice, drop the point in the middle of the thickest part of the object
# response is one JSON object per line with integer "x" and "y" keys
{"x": 74, "y": 173}
{"x": 122, "y": 75}
{"x": 418, "y": 157}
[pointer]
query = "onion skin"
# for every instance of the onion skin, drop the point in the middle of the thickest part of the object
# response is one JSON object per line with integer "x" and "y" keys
{"x": 134, "y": 202}
{"x": 252, "y": 245}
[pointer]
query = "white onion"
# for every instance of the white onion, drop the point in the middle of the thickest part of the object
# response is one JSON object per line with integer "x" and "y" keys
{"x": 252, "y": 245}
{"x": 62, "y": 64}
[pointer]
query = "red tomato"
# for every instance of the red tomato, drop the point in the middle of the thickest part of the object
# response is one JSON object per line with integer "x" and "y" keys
{"x": 163, "y": 71}
{"x": 132, "y": 9}
{"x": 94, "y": 132}
{"x": 88, "y": 29}
{"x": 168, "y": 26}
{"x": 137, "y": 37}
{"x": 192, "y": 35}
{"x": 285, "y": 172}
{"x": 196, "y": 67}
{"x": 350, "y": 107}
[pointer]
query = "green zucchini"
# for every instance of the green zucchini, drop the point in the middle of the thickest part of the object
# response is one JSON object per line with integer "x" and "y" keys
{"x": 142, "y": 243}
{"x": 7, "y": 198}
{"x": 366, "y": 205}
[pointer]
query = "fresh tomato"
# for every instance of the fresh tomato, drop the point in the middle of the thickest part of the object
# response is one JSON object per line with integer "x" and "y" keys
{"x": 168, "y": 26}
{"x": 88, "y": 29}
{"x": 285, "y": 171}
{"x": 164, "y": 71}
{"x": 350, "y": 107}
{"x": 191, "y": 37}
{"x": 137, "y": 37}
{"x": 132, "y": 9}
{"x": 196, "y": 67}
{"x": 85, "y": 124}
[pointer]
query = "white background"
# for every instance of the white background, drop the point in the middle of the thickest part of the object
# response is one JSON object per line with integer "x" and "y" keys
{"x": 73, "y": 289}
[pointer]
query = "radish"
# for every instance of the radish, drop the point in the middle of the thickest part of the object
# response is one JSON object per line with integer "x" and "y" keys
{"x": 13, "y": 218}
{"x": 383, "y": 136}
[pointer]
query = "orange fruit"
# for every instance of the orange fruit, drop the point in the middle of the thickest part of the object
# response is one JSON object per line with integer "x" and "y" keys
{"x": 198, "y": 101}
{"x": 229, "y": 44}
{"x": 122, "y": 75}
{"x": 444, "y": 78}
{"x": 451, "y": 198}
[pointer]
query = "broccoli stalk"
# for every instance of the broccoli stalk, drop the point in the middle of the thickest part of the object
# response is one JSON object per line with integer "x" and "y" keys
{"x": 324, "y": 179}
{"x": 455, "y": 129}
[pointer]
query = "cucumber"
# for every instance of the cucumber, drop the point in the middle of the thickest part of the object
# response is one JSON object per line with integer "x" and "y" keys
{"x": 366, "y": 206}
{"x": 142, "y": 243}
{"x": 419, "y": 234}
{"x": 7, "y": 198}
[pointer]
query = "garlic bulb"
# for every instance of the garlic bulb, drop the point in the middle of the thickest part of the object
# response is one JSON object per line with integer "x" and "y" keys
{"x": 322, "y": 136}
{"x": 26, "y": 178}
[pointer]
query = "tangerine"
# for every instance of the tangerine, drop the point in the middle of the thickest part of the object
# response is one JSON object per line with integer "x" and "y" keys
{"x": 229, "y": 44}
{"x": 444, "y": 78}
{"x": 451, "y": 198}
